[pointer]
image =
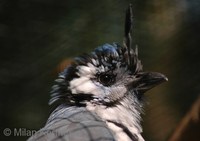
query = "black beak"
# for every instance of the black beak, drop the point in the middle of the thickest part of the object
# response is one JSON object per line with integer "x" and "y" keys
{"x": 147, "y": 80}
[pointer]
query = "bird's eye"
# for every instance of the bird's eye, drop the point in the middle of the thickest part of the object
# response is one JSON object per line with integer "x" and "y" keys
{"x": 106, "y": 79}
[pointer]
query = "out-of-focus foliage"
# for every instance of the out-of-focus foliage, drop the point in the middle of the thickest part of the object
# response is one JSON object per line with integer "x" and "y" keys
{"x": 37, "y": 35}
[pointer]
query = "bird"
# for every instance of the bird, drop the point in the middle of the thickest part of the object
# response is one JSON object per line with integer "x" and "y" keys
{"x": 100, "y": 96}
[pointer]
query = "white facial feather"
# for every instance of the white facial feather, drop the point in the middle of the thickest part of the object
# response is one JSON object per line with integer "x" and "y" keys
{"x": 87, "y": 83}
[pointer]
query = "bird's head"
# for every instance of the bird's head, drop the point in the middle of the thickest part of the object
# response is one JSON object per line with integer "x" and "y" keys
{"x": 105, "y": 76}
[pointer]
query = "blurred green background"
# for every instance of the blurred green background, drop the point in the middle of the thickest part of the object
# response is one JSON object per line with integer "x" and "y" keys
{"x": 37, "y": 35}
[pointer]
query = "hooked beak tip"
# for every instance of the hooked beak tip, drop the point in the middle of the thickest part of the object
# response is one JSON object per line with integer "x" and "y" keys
{"x": 166, "y": 79}
{"x": 159, "y": 77}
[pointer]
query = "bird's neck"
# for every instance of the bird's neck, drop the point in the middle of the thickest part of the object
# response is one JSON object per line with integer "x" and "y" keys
{"x": 123, "y": 119}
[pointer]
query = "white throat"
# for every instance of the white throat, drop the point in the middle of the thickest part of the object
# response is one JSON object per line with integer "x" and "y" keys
{"x": 124, "y": 114}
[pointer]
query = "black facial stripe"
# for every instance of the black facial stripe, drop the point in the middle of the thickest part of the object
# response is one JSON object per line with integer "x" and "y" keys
{"x": 81, "y": 97}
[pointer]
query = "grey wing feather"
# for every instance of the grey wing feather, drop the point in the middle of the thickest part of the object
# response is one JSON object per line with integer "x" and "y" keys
{"x": 73, "y": 124}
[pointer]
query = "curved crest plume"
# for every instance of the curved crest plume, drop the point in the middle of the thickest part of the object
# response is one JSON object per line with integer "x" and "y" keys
{"x": 133, "y": 62}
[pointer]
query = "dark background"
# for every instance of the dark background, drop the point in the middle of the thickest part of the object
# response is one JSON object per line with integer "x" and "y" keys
{"x": 38, "y": 35}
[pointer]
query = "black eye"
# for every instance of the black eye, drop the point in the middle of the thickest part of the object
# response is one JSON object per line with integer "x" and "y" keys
{"x": 106, "y": 79}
